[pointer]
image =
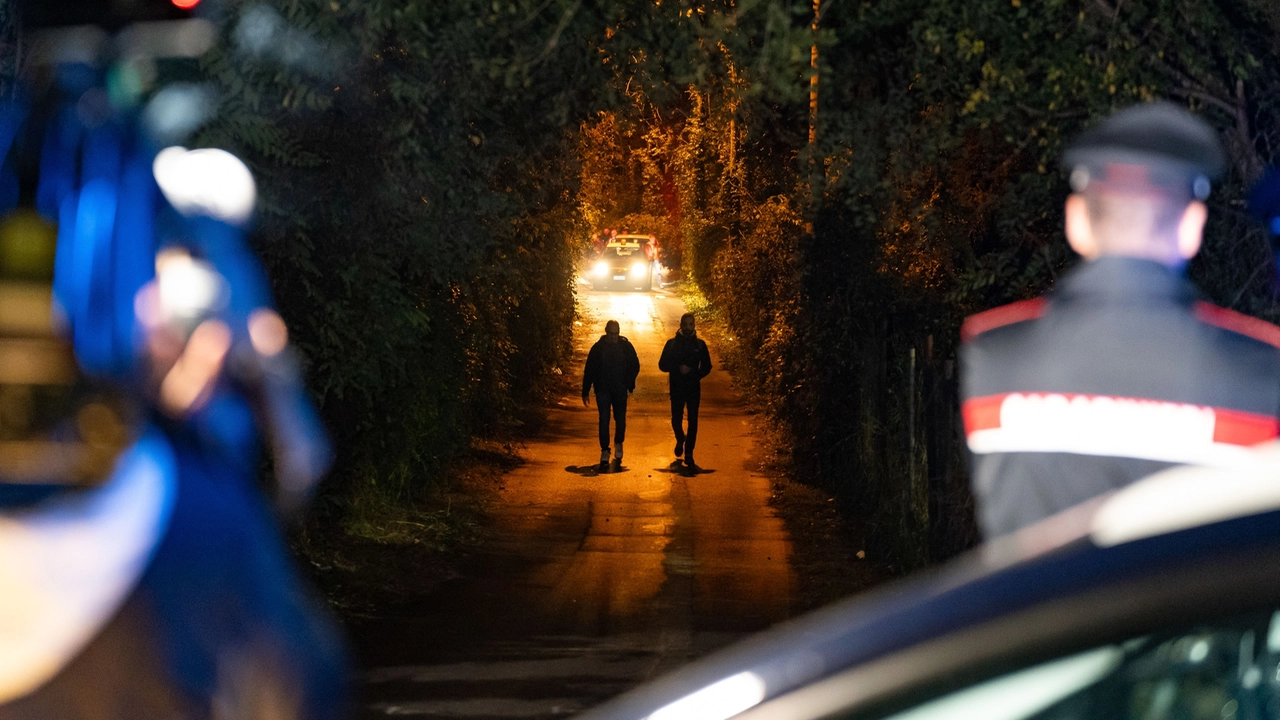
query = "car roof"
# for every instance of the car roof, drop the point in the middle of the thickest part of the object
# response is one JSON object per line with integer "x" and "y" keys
{"x": 1023, "y": 569}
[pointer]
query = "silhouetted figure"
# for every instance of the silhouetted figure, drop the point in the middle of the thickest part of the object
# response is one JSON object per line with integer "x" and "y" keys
{"x": 1123, "y": 370}
{"x": 686, "y": 361}
{"x": 612, "y": 367}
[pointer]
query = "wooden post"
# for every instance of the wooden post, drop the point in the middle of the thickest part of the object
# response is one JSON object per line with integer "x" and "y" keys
{"x": 813, "y": 81}
{"x": 911, "y": 417}
{"x": 813, "y": 120}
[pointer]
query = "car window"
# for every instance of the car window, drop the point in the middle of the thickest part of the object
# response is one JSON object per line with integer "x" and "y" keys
{"x": 1228, "y": 671}
{"x": 1021, "y": 694}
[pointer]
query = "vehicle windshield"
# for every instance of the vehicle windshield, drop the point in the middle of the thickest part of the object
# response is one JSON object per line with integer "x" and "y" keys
{"x": 627, "y": 250}
{"x": 1222, "y": 672}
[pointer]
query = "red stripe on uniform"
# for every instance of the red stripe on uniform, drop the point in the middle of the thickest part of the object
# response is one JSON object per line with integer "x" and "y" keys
{"x": 1233, "y": 427}
{"x": 1238, "y": 323}
{"x": 982, "y": 413}
{"x": 975, "y": 325}
{"x": 1242, "y": 428}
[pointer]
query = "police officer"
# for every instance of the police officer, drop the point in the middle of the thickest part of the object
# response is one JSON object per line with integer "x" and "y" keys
{"x": 1123, "y": 370}
{"x": 612, "y": 367}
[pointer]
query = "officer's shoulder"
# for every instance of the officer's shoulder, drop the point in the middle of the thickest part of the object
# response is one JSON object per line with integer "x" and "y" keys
{"x": 1003, "y": 316}
{"x": 1238, "y": 323}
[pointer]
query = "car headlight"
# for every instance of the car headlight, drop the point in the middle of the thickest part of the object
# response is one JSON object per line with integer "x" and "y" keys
{"x": 638, "y": 269}
{"x": 601, "y": 269}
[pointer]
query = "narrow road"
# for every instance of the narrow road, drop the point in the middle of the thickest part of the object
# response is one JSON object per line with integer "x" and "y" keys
{"x": 593, "y": 582}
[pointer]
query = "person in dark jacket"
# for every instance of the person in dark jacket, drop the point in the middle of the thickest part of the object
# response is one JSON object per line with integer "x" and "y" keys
{"x": 612, "y": 367}
{"x": 1123, "y": 370}
{"x": 686, "y": 361}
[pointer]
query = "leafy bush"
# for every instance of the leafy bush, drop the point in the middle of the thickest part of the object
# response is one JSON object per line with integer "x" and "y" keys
{"x": 931, "y": 189}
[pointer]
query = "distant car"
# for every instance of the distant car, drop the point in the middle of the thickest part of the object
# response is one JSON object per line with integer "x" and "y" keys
{"x": 626, "y": 264}
{"x": 1158, "y": 601}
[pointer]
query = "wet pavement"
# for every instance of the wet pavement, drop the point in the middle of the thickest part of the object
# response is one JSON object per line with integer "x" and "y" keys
{"x": 594, "y": 582}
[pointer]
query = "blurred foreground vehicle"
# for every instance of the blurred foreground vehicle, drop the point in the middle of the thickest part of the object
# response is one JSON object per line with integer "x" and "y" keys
{"x": 1158, "y": 601}
{"x": 142, "y": 573}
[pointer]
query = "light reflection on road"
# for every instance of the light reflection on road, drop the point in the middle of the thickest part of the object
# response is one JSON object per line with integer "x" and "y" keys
{"x": 650, "y": 540}
{"x": 636, "y": 312}
{"x": 643, "y": 564}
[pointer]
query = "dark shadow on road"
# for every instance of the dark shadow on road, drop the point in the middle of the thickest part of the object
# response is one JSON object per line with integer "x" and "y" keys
{"x": 679, "y": 468}
{"x": 596, "y": 469}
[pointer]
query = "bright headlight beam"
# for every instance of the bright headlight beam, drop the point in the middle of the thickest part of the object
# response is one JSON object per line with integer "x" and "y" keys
{"x": 717, "y": 701}
{"x": 601, "y": 268}
{"x": 637, "y": 269}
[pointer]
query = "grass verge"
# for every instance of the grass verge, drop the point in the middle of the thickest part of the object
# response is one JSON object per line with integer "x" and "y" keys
{"x": 381, "y": 551}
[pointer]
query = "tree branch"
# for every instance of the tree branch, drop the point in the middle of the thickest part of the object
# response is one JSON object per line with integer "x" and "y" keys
{"x": 1206, "y": 97}
{"x": 530, "y": 18}
{"x": 555, "y": 36}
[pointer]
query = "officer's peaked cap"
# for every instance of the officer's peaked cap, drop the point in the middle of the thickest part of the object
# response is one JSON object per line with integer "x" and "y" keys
{"x": 1159, "y": 145}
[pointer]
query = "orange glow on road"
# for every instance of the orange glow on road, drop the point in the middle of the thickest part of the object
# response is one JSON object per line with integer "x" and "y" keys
{"x": 611, "y": 541}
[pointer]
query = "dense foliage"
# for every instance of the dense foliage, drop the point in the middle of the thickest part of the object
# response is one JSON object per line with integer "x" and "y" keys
{"x": 418, "y": 225}
{"x": 432, "y": 169}
{"x": 419, "y": 218}
{"x": 931, "y": 189}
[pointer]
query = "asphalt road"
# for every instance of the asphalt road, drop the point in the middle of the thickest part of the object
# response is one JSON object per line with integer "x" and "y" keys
{"x": 595, "y": 582}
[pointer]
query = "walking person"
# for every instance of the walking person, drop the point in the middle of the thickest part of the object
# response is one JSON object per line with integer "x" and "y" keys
{"x": 612, "y": 367}
{"x": 1124, "y": 370}
{"x": 686, "y": 361}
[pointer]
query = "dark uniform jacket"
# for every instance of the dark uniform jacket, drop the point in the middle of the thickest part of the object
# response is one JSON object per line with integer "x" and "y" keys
{"x": 690, "y": 351}
{"x": 1122, "y": 372}
{"x": 611, "y": 367}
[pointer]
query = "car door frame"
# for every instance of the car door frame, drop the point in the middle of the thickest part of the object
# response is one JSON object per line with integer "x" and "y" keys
{"x": 1178, "y": 589}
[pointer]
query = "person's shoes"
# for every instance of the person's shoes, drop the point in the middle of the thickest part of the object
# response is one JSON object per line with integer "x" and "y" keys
{"x": 679, "y": 448}
{"x": 616, "y": 466}
{"x": 604, "y": 458}
{"x": 689, "y": 463}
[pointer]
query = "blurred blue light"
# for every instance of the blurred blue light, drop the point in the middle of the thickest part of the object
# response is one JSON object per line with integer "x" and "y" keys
{"x": 91, "y": 268}
{"x": 58, "y": 160}
{"x": 134, "y": 258}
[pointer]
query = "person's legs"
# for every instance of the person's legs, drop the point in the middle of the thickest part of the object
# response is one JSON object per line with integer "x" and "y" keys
{"x": 693, "y": 401}
{"x": 677, "y": 421}
{"x": 619, "y": 423}
{"x": 602, "y": 407}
